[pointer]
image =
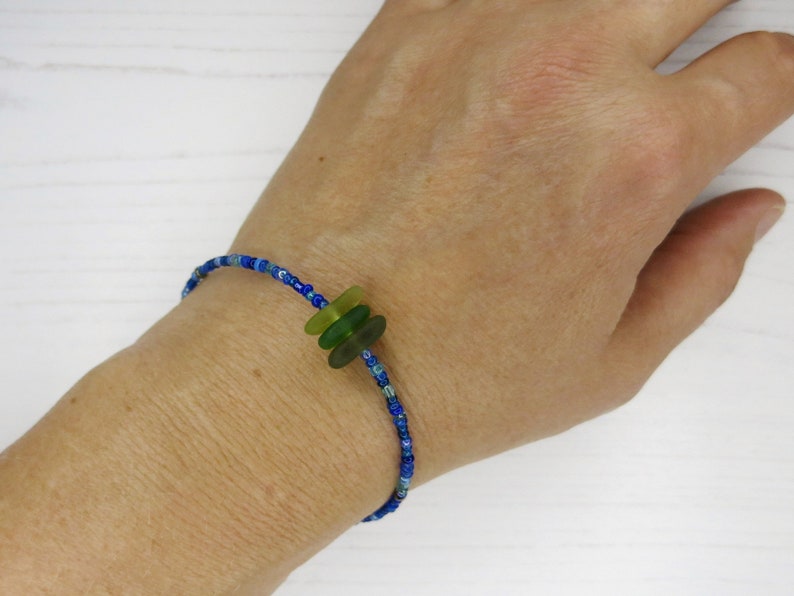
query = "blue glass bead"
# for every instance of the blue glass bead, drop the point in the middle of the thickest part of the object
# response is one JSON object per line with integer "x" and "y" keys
{"x": 366, "y": 355}
{"x": 269, "y": 267}
{"x": 298, "y": 286}
{"x": 403, "y": 483}
{"x": 382, "y": 376}
{"x": 376, "y": 370}
{"x": 408, "y": 460}
{"x": 217, "y": 262}
{"x": 235, "y": 260}
{"x": 318, "y": 300}
{"x": 274, "y": 272}
{"x": 245, "y": 261}
{"x": 383, "y": 383}
{"x": 324, "y": 303}
{"x": 310, "y": 296}
{"x": 407, "y": 470}
{"x": 225, "y": 261}
{"x": 388, "y": 391}
{"x": 392, "y": 400}
{"x": 396, "y": 409}
{"x": 371, "y": 361}
{"x": 406, "y": 443}
{"x": 306, "y": 289}
{"x": 401, "y": 494}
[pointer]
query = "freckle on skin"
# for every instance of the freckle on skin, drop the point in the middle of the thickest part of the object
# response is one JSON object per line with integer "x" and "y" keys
{"x": 73, "y": 400}
{"x": 322, "y": 158}
{"x": 128, "y": 407}
{"x": 257, "y": 373}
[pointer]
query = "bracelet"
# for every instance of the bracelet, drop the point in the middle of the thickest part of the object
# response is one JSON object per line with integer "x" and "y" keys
{"x": 346, "y": 328}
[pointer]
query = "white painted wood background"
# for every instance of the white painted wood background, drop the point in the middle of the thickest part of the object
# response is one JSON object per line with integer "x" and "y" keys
{"x": 135, "y": 136}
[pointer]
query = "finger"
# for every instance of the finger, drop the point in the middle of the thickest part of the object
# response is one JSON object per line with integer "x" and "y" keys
{"x": 656, "y": 28}
{"x": 731, "y": 98}
{"x": 688, "y": 277}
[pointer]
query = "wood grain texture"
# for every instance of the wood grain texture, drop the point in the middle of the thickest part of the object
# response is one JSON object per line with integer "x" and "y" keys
{"x": 135, "y": 136}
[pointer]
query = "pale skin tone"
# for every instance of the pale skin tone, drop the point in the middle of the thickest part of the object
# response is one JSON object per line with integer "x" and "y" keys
{"x": 506, "y": 179}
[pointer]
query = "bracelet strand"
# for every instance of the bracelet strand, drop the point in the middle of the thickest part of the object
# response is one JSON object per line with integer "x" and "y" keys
{"x": 355, "y": 330}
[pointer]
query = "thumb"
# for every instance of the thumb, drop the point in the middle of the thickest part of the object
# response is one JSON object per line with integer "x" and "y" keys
{"x": 689, "y": 276}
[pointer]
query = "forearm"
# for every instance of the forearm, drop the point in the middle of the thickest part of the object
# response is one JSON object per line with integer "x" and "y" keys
{"x": 215, "y": 452}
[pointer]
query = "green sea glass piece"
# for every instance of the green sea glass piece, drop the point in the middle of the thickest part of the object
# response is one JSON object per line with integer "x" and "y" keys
{"x": 325, "y": 318}
{"x": 361, "y": 339}
{"x": 344, "y": 326}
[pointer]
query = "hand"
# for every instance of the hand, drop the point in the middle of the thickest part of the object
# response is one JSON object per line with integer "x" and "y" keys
{"x": 506, "y": 180}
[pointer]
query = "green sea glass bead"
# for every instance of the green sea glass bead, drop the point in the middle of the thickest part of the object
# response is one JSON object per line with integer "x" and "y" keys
{"x": 361, "y": 339}
{"x": 323, "y": 319}
{"x": 344, "y": 326}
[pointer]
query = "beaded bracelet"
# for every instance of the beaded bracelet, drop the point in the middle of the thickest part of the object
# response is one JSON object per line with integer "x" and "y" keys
{"x": 345, "y": 328}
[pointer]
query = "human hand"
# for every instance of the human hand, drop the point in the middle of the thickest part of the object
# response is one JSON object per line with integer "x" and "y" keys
{"x": 506, "y": 180}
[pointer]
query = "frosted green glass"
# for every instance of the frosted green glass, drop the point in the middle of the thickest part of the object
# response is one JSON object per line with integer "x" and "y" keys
{"x": 344, "y": 327}
{"x": 325, "y": 318}
{"x": 361, "y": 339}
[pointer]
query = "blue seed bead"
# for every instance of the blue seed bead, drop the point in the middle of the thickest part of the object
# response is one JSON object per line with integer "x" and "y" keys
{"x": 269, "y": 267}
{"x": 274, "y": 272}
{"x": 403, "y": 483}
{"x": 382, "y": 376}
{"x": 408, "y": 460}
{"x": 323, "y": 304}
{"x": 217, "y": 262}
{"x": 371, "y": 361}
{"x": 307, "y": 289}
{"x": 234, "y": 260}
{"x": 388, "y": 391}
{"x": 406, "y": 444}
{"x": 298, "y": 286}
{"x": 396, "y": 409}
{"x": 401, "y": 494}
{"x": 407, "y": 470}
{"x": 376, "y": 370}
{"x": 225, "y": 261}
{"x": 366, "y": 355}
{"x": 392, "y": 400}
{"x": 383, "y": 383}
{"x": 245, "y": 262}
{"x": 318, "y": 301}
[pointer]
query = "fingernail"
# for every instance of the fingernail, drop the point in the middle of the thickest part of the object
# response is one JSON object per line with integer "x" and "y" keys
{"x": 768, "y": 221}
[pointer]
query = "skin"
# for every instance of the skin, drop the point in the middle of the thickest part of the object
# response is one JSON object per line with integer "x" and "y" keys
{"x": 507, "y": 180}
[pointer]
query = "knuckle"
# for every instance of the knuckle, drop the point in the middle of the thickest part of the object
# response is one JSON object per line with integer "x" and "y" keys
{"x": 725, "y": 272}
{"x": 657, "y": 145}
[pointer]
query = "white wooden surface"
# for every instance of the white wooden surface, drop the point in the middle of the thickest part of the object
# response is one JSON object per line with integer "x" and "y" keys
{"x": 134, "y": 137}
